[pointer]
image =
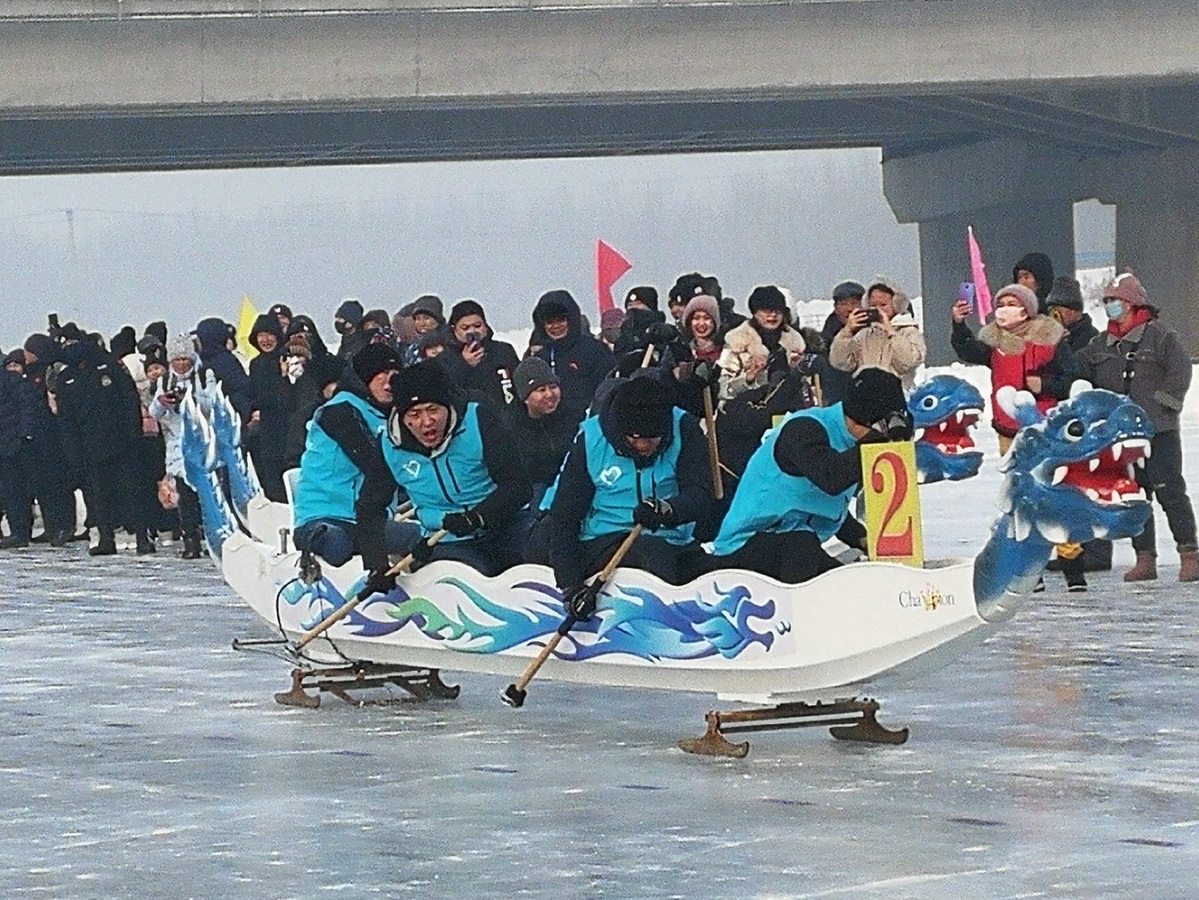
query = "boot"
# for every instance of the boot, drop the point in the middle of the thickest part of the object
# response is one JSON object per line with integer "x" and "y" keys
{"x": 1189, "y": 568}
{"x": 191, "y": 546}
{"x": 13, "y": 542}
{"x": 1073, "y": 569}
{"x": 145, "y": 543}
{"x": 107, "y": 545}
{"x": 60, "y": 538}
{"x": 1145, "y": 569}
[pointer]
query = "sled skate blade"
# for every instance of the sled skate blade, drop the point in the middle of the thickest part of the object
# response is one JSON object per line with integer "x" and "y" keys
{"x": 713, "y": 743}
{"x": 296, "y": 696}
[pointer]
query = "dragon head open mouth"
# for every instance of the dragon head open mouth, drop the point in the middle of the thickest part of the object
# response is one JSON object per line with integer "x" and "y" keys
{"x": 1073, "y": 476}
{"x": 944, "y": 410}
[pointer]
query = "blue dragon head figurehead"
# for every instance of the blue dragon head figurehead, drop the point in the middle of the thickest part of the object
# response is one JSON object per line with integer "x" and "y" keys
{"x": 944, "y": 409}
{"x": 1068, "y": 477}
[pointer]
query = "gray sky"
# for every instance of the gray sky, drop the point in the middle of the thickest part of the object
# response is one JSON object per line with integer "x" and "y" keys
{"x": 109, "y": 249}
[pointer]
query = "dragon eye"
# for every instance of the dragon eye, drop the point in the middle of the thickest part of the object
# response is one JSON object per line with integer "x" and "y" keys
{"x": 929, "y": 402}
{"x": 1074, "y": 430}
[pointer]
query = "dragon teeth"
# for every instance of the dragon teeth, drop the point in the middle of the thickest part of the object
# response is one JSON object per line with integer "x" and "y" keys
{"x": 1141, "y": 461}
{"x": 1092, "y": 493}
{"x": 960, "y": 416}
{"x": 1059, "y": 474}
{"x": 1093, "y": 464}
{"x": 1117, "y": 449}
{"x": 1131, "y": 470}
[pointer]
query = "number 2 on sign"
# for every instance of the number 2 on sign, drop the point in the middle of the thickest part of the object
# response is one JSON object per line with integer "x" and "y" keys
{"x": 892, "y": 503}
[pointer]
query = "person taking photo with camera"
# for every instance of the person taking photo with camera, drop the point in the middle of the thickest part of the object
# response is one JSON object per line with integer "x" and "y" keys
{"x": 882, "y": 334}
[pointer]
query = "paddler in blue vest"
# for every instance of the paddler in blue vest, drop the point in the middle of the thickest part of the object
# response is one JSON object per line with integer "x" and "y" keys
{"x": 797, "y": 486}
{"x": 341, "y": 450}
{"x": 638, "y": 461}
{"x": 453, "y": 456}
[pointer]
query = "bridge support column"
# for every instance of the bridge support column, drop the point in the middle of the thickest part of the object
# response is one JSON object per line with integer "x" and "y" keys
{"x": 1005, "y": 233}
{"x": 1158, "y": 239}
{"x": 1018, "y": 199}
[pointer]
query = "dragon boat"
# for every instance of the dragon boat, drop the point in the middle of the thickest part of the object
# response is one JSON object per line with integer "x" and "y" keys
{"x": 801, "y": 654}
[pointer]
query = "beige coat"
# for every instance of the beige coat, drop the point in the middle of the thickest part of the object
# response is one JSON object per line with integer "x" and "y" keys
{"x": 740, "y": 345}
{"x": 901, "y": 353}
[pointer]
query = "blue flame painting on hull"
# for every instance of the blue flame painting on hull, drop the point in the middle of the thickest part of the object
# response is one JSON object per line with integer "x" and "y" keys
{"x": 635, "y": 621}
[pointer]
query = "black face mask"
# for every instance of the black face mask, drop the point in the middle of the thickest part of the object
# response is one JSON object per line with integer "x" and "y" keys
{"x": 342, "y": 326}
{"x": 72, "y": 353}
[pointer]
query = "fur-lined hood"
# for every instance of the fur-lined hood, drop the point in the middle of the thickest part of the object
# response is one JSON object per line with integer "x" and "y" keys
{"x": 1041, "y": 330}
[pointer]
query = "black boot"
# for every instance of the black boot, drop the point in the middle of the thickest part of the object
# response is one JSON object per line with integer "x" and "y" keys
{"x": 13, "y": 542}
{"x": 1073, "y": 569}
{"x": 145, "y": 543}
{"x": 107, "y": 545}
{"x": 60, "y": 538}
{"x": 191, "y": 546}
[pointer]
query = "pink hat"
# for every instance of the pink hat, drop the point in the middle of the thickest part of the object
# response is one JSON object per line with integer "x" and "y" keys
{"x": 1021, "y": 293}
{"x": 1127, "y": 287}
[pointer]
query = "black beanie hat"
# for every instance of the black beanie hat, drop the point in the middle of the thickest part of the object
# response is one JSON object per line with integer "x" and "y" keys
{"x": 532, "y": 373}
{"x": 17, "y": 356}
{"x": 1067, "y": 293}
{"x": 154, "y": 354}
{"x": 325, "y": 369}
{"x": 376, "y": 318}
{"x": 643, "y": 294}
{"x": 157, "y": 330}
{"x": 767, "y": 296}
{"x": 873, "y": 394}
{"x": 40, "y": 345}
{"x": 280, "y": 309}
{"x": 351, "y": 311}
{"x": 687, "y": 286}
{"x": 642, "y": 407}
{"x": 1041, "y": 267}
{"x": 464, "y": 308}
{"x": 124, "y": 342}
{"x": 373, "y": 359}
{"x": 424, "y": 382}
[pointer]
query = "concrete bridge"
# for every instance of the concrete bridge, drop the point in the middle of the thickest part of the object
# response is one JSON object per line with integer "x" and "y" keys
{"x": 996, "y": 113}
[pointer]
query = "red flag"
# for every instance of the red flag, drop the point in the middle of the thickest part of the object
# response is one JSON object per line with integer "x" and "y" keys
{"x": 609, "y": 266}
{"x": 978, "y": 272}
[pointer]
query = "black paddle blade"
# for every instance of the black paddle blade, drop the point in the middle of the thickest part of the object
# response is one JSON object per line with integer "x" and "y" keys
{"x": 514, "y": 696}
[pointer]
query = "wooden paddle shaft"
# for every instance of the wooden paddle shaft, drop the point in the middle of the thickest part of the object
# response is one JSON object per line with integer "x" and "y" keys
{"x": 552, "y": 644}
{"x": 344, "y": 610}
{"x": 713, "y": 450}
{"x": 649, "y": 354}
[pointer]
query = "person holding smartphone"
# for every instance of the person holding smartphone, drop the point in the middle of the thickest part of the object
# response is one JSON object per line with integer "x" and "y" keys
{"x": 476, "y": 361}
{"x": 881, "y": 334}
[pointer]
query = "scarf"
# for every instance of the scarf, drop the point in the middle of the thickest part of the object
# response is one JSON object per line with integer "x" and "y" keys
{"x": 1139, "y": 316}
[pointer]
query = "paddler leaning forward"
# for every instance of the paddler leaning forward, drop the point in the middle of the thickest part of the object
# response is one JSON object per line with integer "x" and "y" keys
{"x": 797, "y": 486}
{"x": 452, "y": 455}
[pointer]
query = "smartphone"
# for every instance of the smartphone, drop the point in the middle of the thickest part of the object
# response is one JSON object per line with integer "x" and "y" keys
{"x": 966, "y": 294}
{"x": 873, "y": 315}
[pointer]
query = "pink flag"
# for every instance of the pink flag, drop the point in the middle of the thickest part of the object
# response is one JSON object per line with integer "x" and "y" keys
{"x": 978, "y": 272}
{"x": 610, "y": 264}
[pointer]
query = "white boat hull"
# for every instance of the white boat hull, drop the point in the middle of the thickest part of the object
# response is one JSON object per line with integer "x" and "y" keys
{"x": 736, "y": 634}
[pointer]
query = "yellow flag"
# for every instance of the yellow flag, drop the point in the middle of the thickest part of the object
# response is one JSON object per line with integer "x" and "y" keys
{"x": 245, "y": 321}
{"x": 893, "y": 529}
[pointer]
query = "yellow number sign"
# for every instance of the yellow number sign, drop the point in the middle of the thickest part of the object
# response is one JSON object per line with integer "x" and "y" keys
{"x": 892, "y": 502}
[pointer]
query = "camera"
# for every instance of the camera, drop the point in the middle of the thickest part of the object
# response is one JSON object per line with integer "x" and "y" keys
{"x": 895, "y": 427}
{"x": 873, "y": 315}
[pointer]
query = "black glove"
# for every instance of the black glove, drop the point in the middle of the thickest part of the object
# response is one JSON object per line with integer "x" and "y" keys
{"x": 654, "y": 514}
{"x": 662, "y": 333}
{"x": 379, "y": 582}
{"x": 808, "y": 363}
{"x": 705, "y": 374}
{"x": 579, "y": 601}
{"x": 421, "y": 552}
{"x": 895, "y": 427}
{"x": 462, "y": 524}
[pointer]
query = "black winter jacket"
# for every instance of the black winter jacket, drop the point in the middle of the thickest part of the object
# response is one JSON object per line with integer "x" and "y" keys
{"x": 492, "y": 377}
{"x": 99, "y": 408}
{"x": 579, "y": 360}
{"x": 233, "y": 379}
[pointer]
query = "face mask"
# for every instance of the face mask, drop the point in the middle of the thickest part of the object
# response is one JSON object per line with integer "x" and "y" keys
{"x": 342, "y": 326}
{"x": 72, "y": 353}
{"x": 1008, "y": 316}
{"x": 1114, "y": 309}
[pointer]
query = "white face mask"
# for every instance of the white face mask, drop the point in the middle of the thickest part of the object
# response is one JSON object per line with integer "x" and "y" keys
{"x": 1009, "y": 316}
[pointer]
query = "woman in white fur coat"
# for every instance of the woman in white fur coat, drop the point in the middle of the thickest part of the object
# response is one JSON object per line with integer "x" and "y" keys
{"x": 761, "y": 346}
{"x": 883, "y": 335}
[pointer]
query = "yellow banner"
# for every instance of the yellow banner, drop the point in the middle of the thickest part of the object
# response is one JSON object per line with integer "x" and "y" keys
{"x": 892, "y": 503}
{"x": 245, "y": 321}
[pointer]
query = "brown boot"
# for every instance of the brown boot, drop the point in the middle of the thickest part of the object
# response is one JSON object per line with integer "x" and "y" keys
{"x": 1144, "y": 570}
{"x": 1189, "y": 570}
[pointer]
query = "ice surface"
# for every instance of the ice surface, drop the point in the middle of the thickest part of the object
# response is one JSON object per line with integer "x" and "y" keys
{"x": 141, "y": 757}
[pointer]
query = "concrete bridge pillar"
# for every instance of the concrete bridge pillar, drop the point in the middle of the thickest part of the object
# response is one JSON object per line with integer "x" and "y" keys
{"x": 1017, "y": 198}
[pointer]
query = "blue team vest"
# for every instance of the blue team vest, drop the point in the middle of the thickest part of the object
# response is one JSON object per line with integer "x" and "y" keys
{"x": 454, "y": 480}
{"x": 620, "y": 485}
{"x": 770, "y": 500}
{"x": 329, "y": 482}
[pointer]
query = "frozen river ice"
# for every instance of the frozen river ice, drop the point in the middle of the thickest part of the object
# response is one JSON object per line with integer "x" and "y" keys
{"x": 141, "y": 757}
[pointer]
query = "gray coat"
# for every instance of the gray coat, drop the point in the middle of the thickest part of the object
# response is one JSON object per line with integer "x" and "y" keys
{"x": 1161, "y": 369}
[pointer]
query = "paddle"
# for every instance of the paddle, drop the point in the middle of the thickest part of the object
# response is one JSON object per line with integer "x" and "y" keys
{"x": 514, "y": 694}
{"x": 342, "y": 611}
{"x": 713, "y": 450}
